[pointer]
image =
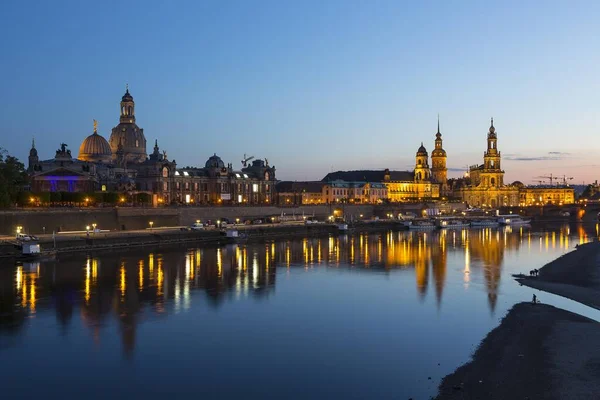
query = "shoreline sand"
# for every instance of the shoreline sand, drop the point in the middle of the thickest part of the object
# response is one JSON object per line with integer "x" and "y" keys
{"x": 537, "y": 352}
{"x": 575, "y": 275}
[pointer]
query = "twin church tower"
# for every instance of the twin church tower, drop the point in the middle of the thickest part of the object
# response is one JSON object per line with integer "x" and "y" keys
{"x": 438, "y": 172}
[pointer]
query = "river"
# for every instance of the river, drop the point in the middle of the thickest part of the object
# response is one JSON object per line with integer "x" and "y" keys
{"x": 362, "y": 315}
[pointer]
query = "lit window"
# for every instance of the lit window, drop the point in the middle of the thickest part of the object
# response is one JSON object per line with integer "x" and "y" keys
{"x": 255, "y": 187}
{"x": 176, "y": 173}
{"x": 245, "y": 176}
{"x": 185, "y": 173}
{"x": 237, "y": 176}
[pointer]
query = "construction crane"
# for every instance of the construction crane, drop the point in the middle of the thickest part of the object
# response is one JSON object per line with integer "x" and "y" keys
{"x": 246, "y": 159}
{"x": 566, "y": 178}
{"x": 550, "y": 177}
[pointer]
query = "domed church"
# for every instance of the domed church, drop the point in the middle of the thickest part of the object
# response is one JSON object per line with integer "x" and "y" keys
{"x": 128, "y": 134}
{"x": 95, "y": 148}
{"x": 121, "y": 164}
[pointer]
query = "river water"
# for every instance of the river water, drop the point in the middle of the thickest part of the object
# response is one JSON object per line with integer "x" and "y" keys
{"x": 363, "y": 315}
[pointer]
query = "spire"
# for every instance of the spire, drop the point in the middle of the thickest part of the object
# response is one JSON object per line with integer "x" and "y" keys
{"x": 33, "y": 143}
{"x": 438, "y": 123}
{"x": 155, "y": 142}
{"x": 127, "y": 87}
{"x": 492, "y": 123}
{"x": 95, "y": 126}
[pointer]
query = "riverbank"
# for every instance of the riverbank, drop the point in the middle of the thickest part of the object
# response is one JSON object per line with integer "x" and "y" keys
{"x": 69, "y": 243}
{"x": 537, "y": 352}
{"x": 575, "y": 275}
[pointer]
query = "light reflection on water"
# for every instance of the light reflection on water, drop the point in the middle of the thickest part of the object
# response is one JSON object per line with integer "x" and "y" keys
{"x": 339, "y": 315}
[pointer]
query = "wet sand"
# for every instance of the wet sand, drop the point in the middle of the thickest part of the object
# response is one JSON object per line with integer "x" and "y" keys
{"x": 575, "y": 275}
{"x": 537, "y": 352}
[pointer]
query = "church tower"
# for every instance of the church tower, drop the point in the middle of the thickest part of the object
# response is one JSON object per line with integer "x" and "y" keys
{"x": 128, "y": 134}
{"x": 33, "y": 158}
{"x": 492, "y": 172}
{"x": 439, "y": 171}
{"x": 422, "y": 172}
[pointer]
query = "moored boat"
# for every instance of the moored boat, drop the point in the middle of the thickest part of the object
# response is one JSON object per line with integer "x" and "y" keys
{"x": 484, "y": 223}
{"x": 452, "y": 223}
{"x": 512, "y": 220}
{"x": 420, "y": 224}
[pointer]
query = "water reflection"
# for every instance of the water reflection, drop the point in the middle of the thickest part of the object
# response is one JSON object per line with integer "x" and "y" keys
{"x": 136, "y": 286}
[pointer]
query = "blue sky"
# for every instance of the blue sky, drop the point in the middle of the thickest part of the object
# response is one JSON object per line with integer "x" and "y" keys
{"x": 311, "y": 85}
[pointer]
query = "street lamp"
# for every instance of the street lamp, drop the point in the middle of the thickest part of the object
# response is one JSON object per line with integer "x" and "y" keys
{"x": 151, "y": 224}
{"x": 19, "y": 229}
{"x": 237, "y": 220}
{"x": 94, "y": 226}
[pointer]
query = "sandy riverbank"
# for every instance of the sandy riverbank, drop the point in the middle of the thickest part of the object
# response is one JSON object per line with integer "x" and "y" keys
{"x": 575, "y": 275}
{"x": 537, "y": 352}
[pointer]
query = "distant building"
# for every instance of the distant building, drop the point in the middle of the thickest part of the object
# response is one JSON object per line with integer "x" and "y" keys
{"x": 290, "y": 193}
{"x": 122, "y": 165}
{"x": 218, "y": 183}
{"x": 484, "y": 185}
{"x": 541, "y": 195}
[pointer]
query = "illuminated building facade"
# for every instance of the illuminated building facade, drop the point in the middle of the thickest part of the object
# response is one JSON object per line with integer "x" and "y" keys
{"x": 121, "y": 164}
{"x": 484, "y": 185}
{"x": 539, "y": 195}
{"x": 218, "y": 183}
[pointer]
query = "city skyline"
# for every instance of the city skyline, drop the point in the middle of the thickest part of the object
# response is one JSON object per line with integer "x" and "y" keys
{"x": 315, "y": 88}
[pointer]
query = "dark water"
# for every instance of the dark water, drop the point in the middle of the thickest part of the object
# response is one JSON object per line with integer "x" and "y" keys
{"x": 355, "y": 316}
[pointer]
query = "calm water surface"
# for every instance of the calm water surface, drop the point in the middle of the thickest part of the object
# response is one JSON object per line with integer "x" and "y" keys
{"x": 364, "y": 315}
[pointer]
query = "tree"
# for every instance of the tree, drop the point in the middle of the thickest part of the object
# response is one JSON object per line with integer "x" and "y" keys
{"x": 13, "y": 178}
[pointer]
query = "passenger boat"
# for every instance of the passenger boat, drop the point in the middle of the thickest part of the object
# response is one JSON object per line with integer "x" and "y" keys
{"x": 452, "y": 223}
{"x": 342, "y": 227}
{"x": 484, "y": 223}
{"x": 420, "y": 224}
{"x": 512, "y": 220}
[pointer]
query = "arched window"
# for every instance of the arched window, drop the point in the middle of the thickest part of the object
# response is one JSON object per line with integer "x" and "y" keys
{"x": 130, "y": 111}
{"x": 137, "y": 143}
{"x": 493, "y": 181}
{"x": 165, "y": 172}
{"x": 419, "y": 162}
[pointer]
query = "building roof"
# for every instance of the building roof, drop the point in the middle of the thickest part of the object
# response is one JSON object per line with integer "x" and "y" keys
{"x": 291, "y": 186}
{"x": 369, "y": 176}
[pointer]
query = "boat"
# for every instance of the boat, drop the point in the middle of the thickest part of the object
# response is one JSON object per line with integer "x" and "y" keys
{"x": 342, "y": 227}
{"x": 420, "y": 224}
{"x": 452, "y": 223}
{"x": 512, "y": 220}
{"x": 234, "y": 236}
{"x": 484, "y": 223}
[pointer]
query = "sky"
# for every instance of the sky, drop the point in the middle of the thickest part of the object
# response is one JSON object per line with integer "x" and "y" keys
{"x": 313, "y": 86}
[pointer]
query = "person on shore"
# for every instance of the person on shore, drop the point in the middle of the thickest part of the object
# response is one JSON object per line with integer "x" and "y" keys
{"x": 534, "y": 300}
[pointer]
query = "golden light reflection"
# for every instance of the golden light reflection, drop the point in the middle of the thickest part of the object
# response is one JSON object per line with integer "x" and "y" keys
{"x": 32, "y": 296}
{"x": 141, "y": 274}
{"x": 24, "y": 294}
{"x": 219, "y": 263}
{"x": 122, "y": 283}
{"x": 88, "y": 278}
{"x": 19, "y": 278}
{"x": 151, "y": 266}
{"x": 159, "y": 278}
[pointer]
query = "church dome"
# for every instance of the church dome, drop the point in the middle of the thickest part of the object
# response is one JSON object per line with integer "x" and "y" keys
{"x": 215, "y": 162}
{"x": 422, "y": 151}
{"x": 95, "y": 148}
{"x": 127, "y": 96}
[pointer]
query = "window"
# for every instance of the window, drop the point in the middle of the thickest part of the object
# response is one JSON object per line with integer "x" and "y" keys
{"x": 165, "y": 172}
{"x": 137, "y": 143}
{"x": 165, "y": 186}
{"x": 255, "y": 187}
